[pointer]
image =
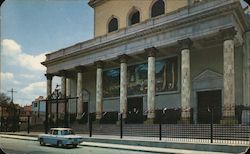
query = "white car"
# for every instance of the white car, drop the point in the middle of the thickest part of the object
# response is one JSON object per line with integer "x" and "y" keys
{"x": 60, "y": 137}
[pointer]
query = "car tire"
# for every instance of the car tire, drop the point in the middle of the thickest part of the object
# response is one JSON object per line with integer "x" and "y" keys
{"x": 74, "y": 145}
{"x": 59, "y": 144}
{"x": 41, "y": 141}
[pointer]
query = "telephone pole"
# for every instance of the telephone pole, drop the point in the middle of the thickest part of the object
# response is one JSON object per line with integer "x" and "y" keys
{"x": 12, "y": 94}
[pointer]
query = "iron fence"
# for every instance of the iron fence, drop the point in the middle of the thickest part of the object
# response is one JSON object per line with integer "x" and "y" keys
{"x": 227, "y": 130}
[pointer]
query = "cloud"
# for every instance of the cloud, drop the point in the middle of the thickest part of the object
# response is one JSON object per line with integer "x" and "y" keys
{"x": 14, "y": 51}
{"x": 31, "y": 62}
{"x": 6, "y": 76}
{"x": 11, "y": 47}
{"x": 32, "y": 91}
{"x": 28, "y": 76}
{"x": 37, "y": 88}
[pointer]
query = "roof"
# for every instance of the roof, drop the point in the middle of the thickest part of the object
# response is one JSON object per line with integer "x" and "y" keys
{"x": 60, "y": 129}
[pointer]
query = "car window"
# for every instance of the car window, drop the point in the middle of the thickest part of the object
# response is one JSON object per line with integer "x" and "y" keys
{"x": 67, "y": 132}
{"x": 55, "y": 132}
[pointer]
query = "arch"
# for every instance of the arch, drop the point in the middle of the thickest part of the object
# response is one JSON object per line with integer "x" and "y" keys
{"x": 112, "y": 24}
{"x": 157, "y": 8}
{"x": 134, "y": 16}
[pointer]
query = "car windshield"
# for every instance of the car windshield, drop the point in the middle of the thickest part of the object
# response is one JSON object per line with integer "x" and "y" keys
{"x": 67, "y": 132}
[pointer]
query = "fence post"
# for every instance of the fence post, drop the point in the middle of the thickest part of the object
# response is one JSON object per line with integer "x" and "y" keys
{"x": 28, "y": 130}
{"x": 90, "y": 125}
{"x": 160, "y": 129}
{"x": 1, "y": 123}
{"x": 46, "y": 117}
{"x": 211, "y": 125}
{"x": 121, "y": 130}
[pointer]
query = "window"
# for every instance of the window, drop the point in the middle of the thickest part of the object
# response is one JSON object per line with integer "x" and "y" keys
{"x": 134, "y": 17}
{"x": 113, "y": 25}
{"x": 158, "y": 8}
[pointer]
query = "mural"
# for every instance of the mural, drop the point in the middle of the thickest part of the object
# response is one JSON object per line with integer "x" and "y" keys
{"x": 166, "y": 74}
{"x": 111, "y": 83}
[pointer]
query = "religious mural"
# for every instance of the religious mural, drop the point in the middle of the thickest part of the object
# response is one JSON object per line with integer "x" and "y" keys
{"x": 166, "y": 75}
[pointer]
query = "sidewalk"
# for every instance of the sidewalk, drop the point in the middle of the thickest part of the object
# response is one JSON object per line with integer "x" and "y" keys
{"x": 141, "y": 144}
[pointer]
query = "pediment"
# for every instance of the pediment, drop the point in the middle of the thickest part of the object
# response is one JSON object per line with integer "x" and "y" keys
{"x": 208, "y": 75}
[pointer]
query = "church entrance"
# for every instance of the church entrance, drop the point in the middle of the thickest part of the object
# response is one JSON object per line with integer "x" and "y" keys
{"x": 208, "y": 100}
{"x": 135, "y": 110}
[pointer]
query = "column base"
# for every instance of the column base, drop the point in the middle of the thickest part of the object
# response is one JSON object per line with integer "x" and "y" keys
{"x": 149, "y": 121}
{"x": 185, "y": 121}
{"x": 97, "y": 121}
{"x": 229, "y": 121}
{"x": 119, "y": 122}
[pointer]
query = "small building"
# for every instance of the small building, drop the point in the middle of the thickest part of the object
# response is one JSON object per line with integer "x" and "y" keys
{"x": 38, "y": 110}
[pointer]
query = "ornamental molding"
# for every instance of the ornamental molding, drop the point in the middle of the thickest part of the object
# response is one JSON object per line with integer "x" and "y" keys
{"x": 208, "y": 75}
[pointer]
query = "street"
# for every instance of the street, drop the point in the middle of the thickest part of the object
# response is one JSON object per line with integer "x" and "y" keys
{"x": 15, "y": 146}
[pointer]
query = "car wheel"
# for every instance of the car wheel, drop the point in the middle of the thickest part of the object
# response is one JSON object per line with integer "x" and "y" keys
{"x": 41, "y": 141}
{"x": 74, "y": 145}
{"x": 59, "y": 144}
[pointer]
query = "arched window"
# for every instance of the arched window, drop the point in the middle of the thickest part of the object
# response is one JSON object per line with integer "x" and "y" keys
{"x": 158, "y": 8}
{"x": 134, "y": 17}
{"x": 113, "y": 25}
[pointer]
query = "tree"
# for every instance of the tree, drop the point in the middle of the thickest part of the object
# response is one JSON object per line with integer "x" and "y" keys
{"x": 4, "y": 99}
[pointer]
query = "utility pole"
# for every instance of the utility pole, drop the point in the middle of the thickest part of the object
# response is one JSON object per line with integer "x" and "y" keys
{"x": 14, "y": 120}
{"x": 12, "y": 94}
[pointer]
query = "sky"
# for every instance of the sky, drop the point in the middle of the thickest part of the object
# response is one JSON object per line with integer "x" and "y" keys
{"x": 30, "y": 29}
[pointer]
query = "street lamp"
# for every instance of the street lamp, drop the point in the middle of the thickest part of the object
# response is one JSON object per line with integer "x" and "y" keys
{"x": 57, "y": 103}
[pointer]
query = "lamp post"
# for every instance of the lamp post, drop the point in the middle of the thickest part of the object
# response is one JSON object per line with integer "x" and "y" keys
{"x": 57, "y": 103}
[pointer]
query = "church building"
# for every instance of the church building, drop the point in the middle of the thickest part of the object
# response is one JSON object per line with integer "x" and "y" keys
{"x": 181, "y": 57}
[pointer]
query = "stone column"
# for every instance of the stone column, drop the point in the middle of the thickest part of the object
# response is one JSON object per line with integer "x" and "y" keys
{"x": 68, "y": 93}
{"x": 185, "y": 80}
{"x": 151, "y": 83}
{"x": 228, "y": 78}
{"x": 79, "y": 91}
{"x": 246, "y": 69}
{"x": 49, "y": 91}
{"x": 123, "y": 85}
{"x": 99, "y": 93}
{"x": 62, "y": 107}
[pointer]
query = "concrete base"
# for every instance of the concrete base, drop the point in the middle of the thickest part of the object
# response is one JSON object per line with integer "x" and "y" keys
{"x": 229, "y": 121}
{"x": 149, "y": 121}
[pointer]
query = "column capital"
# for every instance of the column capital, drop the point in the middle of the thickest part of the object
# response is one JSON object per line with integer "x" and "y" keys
{"x": 80, "y": 69}
{"x": 152, "y": 51}
{"x": 123, "y": 58}
{"x": 228, "y": 33}
{"x": 185, "y": 43}
{"x": 49, "y": 76}
{"x": 65, "y": 73}
{"x": 99, "y": 64}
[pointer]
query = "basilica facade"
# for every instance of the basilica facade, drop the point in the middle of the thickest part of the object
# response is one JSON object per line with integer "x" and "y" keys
{"x": 158, "y": 55}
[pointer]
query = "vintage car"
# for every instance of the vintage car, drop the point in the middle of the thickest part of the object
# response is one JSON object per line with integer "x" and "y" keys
{"x": 60, "y": 137}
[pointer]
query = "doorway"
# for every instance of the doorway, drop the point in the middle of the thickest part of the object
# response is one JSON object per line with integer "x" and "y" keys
{"x": 135, "y": 110}
{"x": 207, "y": 101}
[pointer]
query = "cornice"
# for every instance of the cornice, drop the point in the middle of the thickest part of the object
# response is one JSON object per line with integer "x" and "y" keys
{"x": 185, "y": 16}
{"x": 94, "y": 3}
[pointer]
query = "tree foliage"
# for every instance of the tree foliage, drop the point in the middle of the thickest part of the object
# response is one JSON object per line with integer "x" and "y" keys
{"x": 4, "y": 99}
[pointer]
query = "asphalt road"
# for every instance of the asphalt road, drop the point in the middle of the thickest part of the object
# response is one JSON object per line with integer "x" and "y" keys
{"x": 15, "y": 146}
